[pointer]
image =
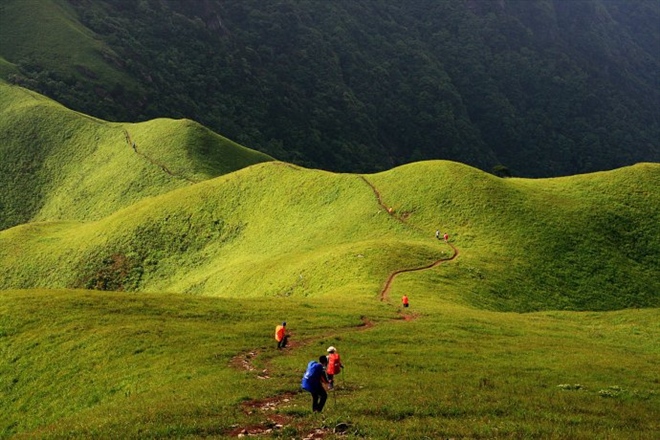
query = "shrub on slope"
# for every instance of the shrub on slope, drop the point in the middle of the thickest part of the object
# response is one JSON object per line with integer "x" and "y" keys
{"x": 61, "y": 165}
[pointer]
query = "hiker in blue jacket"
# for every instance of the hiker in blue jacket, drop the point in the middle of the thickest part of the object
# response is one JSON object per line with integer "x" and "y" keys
{"x": 313, "y": 381}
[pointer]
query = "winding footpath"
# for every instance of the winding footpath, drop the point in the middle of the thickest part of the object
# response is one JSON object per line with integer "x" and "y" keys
{"x": 132, "y": 144}
{"x": 268, "y": 406}
{"x": 394, "y": 215}
{"x": 390, "y": 279}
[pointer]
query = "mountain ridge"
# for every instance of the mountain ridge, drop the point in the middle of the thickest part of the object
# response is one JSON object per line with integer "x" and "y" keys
{"x": 60, "y": 164}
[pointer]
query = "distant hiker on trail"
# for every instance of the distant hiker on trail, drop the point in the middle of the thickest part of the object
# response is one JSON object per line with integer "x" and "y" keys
{"x": 334, "y": 366}
{"x": 404, "y": 300}
{"x": 281, "y": 336}
{"x": 446, "y": 237}
{"x": 313, "y": 381}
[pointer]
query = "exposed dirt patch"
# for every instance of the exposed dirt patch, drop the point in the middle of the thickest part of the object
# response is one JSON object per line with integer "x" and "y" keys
{"x": 267, "y": 404}
{"x": 409, "y": 316}
{"x": 366, "y": 323}
{"x": 243, "y": 361}
{"x": 274, "y": 420}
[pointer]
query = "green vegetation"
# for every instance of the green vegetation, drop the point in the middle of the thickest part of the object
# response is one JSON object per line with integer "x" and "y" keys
{"x": 6, "y": 68}
{"x": 61, "y": 165}
{"x": 82, "y": 364}
{"x": 544, "y": 88}
{"x": 273, "y": 242}
{"x": 58, "y": 56}
{"x": 585, "y": 242}
{"x": 141, "y": 287}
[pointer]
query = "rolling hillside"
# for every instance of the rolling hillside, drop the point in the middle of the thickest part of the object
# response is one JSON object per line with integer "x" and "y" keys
{"x": 216, "y": 264}
{"x": 586, "y": 242}
{"x": 62, "y": 165}
{"x": 144, "y": 267}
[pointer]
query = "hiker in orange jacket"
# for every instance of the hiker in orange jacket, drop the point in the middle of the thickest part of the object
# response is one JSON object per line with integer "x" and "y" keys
{"x": 281, "y": 336}
{"x": 334, "y": 366}
{"x": 404, "y": 300}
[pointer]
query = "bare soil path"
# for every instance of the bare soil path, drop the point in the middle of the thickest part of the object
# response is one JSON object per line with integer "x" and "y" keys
{"x": 402, "y": 218}
{"x": 390, "y": 278}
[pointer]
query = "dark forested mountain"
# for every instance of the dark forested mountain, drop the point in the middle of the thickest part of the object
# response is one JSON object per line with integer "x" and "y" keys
{"x": 543, "y": 87}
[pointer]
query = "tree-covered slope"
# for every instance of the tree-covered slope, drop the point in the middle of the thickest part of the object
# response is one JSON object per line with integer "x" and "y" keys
{"x": 46, "y": 38}
{"x": 586, "y": 242}
{"x": 545, "y": 87}
{"x": 58, "y": 164}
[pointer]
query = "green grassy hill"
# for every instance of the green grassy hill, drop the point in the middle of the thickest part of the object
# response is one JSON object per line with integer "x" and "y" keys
{"x": 141, "y": 289}
{"x": 586, "y": 242}
{"x": 61, "y": 165}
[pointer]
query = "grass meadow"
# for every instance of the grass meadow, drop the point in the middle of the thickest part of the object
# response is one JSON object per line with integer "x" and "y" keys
{"x": 62, "y": 165}
{"x": 81, "y": 364}
{"x": 141, "y": 286}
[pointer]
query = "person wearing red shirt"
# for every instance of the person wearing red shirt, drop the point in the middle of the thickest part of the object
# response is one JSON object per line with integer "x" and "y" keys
{"x": 334, "y": 366}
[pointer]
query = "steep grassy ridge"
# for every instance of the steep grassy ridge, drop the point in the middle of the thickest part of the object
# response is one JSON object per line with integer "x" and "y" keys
{"x": 61, "y": 165}
{"x": 277, "y": 230}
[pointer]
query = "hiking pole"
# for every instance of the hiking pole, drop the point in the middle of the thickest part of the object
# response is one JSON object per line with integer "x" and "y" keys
{"x": 335, "y": 388}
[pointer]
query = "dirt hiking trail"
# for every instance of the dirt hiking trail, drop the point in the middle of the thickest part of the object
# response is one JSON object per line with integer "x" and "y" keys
{"x": 269, "y": 406}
